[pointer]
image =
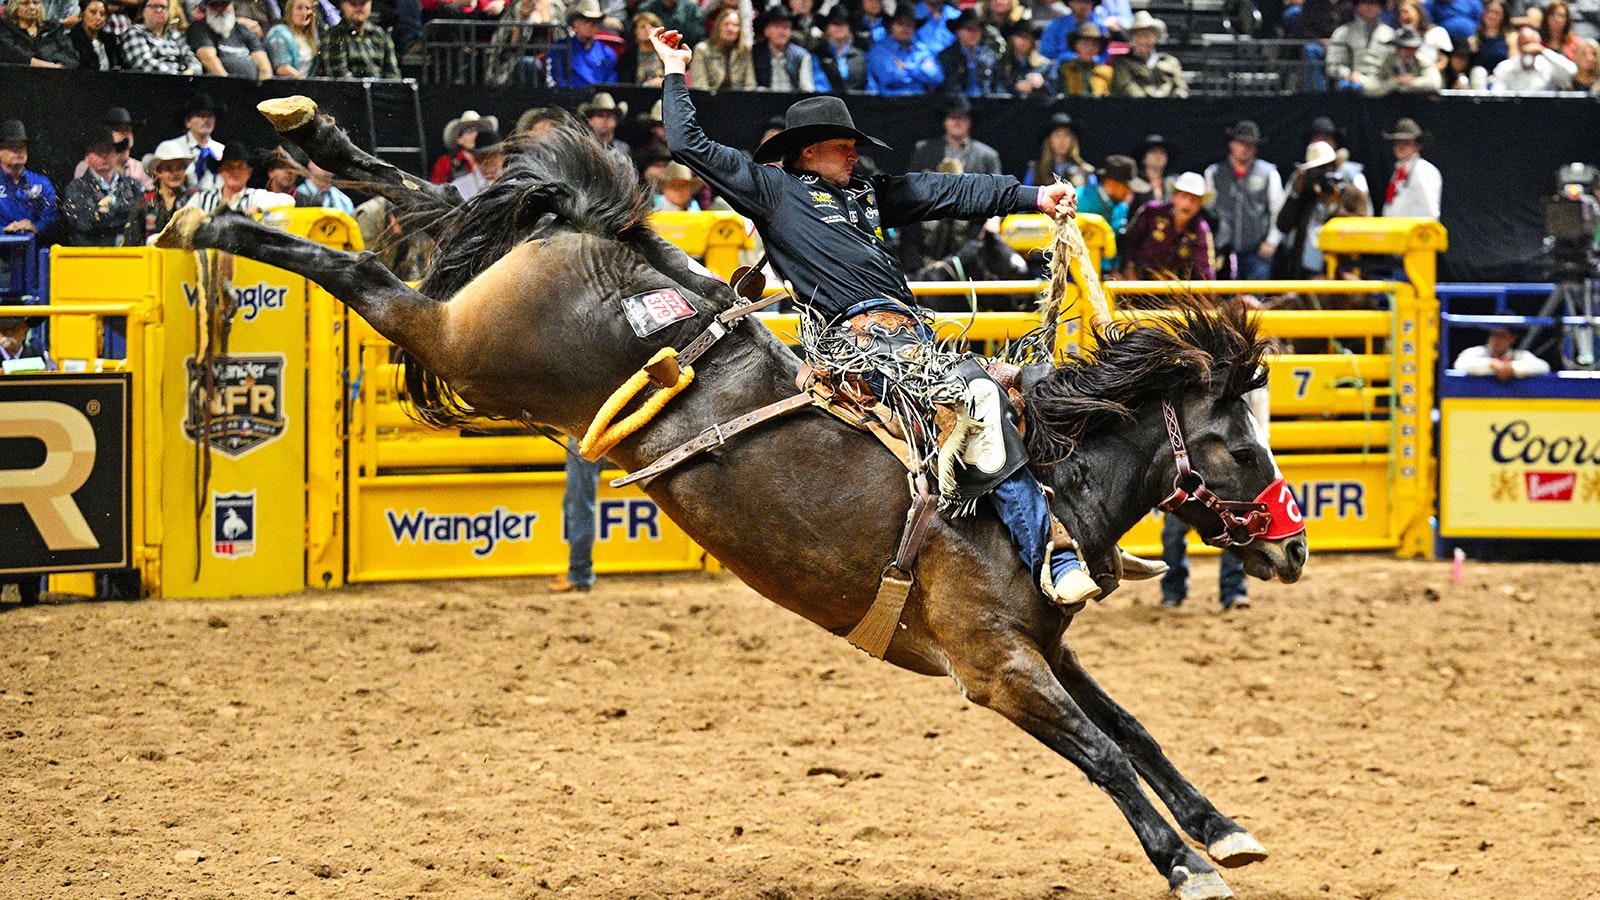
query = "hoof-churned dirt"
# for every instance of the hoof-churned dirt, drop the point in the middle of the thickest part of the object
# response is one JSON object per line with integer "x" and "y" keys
{"x": 1384, "y": 731}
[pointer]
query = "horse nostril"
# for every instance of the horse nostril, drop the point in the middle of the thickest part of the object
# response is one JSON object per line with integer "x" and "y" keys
{"x": 1298, "y": 553}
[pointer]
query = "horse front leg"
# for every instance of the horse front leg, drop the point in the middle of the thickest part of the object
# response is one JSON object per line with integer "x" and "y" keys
{"x": 1018, "y": 683}
{"x": 359, "y": 280}
{"x": 298, "y": 119}
{"x": 1225, "y": 841}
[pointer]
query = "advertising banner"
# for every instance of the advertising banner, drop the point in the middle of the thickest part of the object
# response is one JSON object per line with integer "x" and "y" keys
{"x": 1526, "y": 467}
{"x": 65, "y": 473}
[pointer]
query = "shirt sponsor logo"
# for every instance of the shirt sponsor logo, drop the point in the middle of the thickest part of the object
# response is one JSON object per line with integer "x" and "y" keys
{"x": 233, "y": 525}
{"x": 649, "y": 313}
{"x": 484, "y": 530}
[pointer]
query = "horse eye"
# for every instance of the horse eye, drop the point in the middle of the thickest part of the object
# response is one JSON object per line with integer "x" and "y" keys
{"x": 1245, "y": 456}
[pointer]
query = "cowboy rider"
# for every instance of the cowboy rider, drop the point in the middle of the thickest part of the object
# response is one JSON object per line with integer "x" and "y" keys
{"x": 823, "y": 230}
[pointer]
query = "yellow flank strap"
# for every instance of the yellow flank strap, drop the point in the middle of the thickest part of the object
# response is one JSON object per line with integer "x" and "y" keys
{"x": 602, "y": 435}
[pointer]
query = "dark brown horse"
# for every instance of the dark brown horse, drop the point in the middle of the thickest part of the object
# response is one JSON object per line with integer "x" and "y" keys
{"x": 530, "y": 325}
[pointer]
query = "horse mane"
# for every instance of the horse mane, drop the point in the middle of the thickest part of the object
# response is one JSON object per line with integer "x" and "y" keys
{"x": 560, "y": 179}
{"x": 1213, "y": 349}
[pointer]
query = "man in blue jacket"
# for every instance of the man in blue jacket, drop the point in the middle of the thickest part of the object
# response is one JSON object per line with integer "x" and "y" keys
{"x": 27, "y": 199}
{"x": 898, "y": 66}
{"x": 823, "y": 227}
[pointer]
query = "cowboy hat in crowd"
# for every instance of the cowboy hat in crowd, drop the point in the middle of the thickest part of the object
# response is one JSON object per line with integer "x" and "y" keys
{"x": 1246, "y": 131}
{"x": 1191, "y": 183}
{"x": 468, "y": 119}
{"x": 1143, "y": 21}
{"x": 1406, "y": 130}
{"x": 585, "y": 9}
{"x": 1124, "y": 169}
{"x": 602, "y": 102}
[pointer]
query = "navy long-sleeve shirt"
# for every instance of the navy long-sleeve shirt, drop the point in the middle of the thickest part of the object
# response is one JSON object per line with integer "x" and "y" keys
{"x": 825, "y": 239}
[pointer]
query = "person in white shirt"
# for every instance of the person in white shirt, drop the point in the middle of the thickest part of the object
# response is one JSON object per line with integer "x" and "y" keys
{"x": 1415, "y": 185}
{"x": 1498, "y": 358}
{"x": 199, "y": 121}
{"x": 1535, "y": 67}
{"x": 234, "y": 191}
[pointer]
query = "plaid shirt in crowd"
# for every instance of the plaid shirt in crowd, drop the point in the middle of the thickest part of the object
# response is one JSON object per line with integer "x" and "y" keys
{"x": 168, "y": 54}
{"x": 368, "y": 53}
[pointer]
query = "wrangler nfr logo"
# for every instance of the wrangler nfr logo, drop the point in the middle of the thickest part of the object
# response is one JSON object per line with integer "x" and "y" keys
{"x": 64, "y": 473}
{"x": 245, "y": 407}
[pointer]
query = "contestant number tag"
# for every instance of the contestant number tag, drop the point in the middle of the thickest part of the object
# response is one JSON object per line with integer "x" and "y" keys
{"x": 649, "y": 313}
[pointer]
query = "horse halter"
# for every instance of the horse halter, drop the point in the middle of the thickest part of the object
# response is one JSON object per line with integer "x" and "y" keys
{"x": 1242, "y": 522}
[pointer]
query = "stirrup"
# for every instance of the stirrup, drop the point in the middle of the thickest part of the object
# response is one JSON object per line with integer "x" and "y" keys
{"x": 1073, "y": 589}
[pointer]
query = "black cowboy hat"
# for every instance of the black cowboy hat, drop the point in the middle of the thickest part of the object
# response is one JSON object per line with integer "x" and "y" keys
{"x": 1123, "y": 169}
{"x": 233, "y": 151}
{"x": 967, "y": 18}
{"x": 1152, "y": 141}
{"x": 1406, "y": 130}
{"x": 901, "y": 11}
{"x": 489, "y": 141}
{"x": 956, "y": 105}
{"x": 1246, "y": 131}
{"x": 1326, "y": 125}
{"x": 1058, "y": 120}
{"x": 811, "y": 121}
{"x": 1021, "y": 26}
{"x": 103, "y": 136}
{"x": 117, "y": 116}
{"x": 12, "y": 131}
{"x": 199, "y": 102}
{"x": 11, "y": 320}
{"x": 837, "y": 16}
{"x": 770, "y": 15}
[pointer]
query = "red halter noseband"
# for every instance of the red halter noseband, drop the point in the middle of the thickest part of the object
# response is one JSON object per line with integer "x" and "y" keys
{"x": 1242, "y": 522}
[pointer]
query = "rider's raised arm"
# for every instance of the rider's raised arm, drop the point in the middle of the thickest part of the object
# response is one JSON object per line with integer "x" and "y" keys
{"x": 920, "y": 196}
{"x": 746, "y": 186}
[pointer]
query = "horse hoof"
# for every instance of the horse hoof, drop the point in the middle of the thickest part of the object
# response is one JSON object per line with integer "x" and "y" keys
{"x": 179, "y": 233}
{"x": 1235, "y": 850}
{"x": 1199, "y": 886}
{"x": 288, "y": 113}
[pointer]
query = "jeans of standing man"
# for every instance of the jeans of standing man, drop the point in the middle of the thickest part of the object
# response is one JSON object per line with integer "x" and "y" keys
{"x": 1175, "y": 553}
{"x": 577, "y": 515}
{"x": 1252, "y": 266}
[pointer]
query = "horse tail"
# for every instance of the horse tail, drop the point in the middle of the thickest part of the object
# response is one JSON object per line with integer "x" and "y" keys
{"x": 432, "y": 401}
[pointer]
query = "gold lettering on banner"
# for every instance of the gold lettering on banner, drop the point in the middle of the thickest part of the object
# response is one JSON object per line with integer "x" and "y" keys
{"x": 46, "y": 491}
{"x": 1504, "y": 487}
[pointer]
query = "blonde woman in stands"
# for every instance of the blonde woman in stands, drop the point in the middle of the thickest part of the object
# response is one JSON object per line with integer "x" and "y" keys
{"x": 292, "y": 44}
{"x": 27, "y": 38}
{"x": 722, "y": 61}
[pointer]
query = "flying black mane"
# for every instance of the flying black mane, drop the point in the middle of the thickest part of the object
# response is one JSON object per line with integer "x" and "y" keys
{"x": 1214, "y": 350}
{"x": 560, "y": 180}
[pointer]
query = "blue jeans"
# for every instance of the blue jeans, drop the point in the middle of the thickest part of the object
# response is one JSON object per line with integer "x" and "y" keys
{"x": 1252, "y": 267}
{"x": 1175, "y": 553}
{"x": 577, "y": 515}
{"x": 1022, "y": 508}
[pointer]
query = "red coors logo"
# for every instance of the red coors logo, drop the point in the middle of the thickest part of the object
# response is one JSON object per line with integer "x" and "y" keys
{"x": 1550, "y": 485}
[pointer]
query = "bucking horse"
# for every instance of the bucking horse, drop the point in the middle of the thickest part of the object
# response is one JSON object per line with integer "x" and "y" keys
{"x": 525, "y": 316}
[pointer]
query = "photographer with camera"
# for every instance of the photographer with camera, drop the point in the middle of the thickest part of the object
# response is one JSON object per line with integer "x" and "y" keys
{"x": 1571, "y": 218}
{"x": 1321, "y": 191}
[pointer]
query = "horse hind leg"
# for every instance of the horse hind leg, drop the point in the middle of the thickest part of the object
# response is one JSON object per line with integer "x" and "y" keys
{"x": 298, "y": 119}
{"x": 359, "y": 280}
{"x": 1018, "y": 683}
{"x": 1226, "y": 842}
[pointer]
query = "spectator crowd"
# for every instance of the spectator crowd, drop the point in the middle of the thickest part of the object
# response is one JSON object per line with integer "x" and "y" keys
{"x": 1021, "y": 48}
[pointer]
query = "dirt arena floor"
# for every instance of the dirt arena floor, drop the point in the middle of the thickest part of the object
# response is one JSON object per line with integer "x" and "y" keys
{"x": 1385, "y": 731}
